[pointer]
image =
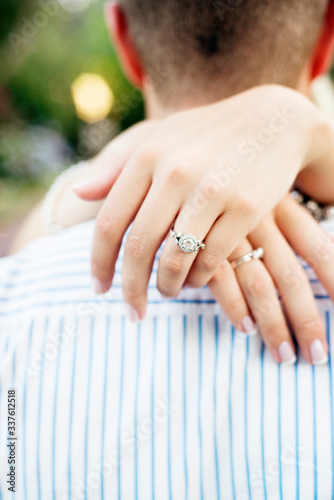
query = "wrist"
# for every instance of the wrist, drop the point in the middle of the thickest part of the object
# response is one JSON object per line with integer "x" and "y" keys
{"x": 316, "y": 175}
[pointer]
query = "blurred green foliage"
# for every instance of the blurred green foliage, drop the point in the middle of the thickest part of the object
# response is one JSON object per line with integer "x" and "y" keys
{"x": 44, "y": 46}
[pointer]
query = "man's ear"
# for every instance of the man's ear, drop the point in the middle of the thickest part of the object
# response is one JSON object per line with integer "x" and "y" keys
{"x": 119, "y": 32}
{"x": 324, "y": 51}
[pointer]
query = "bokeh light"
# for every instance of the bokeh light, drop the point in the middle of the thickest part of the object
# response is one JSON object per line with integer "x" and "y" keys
{"x": 92, "y": 97}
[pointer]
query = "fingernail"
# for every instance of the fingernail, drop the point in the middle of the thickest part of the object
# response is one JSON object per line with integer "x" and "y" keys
{"x": 132, "y": 312}
{"x": 286, "y": 354}
{"x": 99, "y": 287}
{"x": 248, "y": 326}
{"x": 318, "y": 353}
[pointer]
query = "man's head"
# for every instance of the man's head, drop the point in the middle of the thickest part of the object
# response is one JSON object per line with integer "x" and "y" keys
{"x": 198, "y": 51}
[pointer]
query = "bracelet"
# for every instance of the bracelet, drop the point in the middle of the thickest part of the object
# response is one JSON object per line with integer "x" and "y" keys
{"x": 319, "y": 211}
{"x": 52, "y": 194}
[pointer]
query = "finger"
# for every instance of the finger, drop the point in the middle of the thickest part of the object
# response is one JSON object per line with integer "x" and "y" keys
{"x": 260, "y": 293}
{"x": 149, "y": 229}
{"x": 226, "y": 290}
{"x": 106, "y": 167}
{"x": 221, "y": 237}
{"x": 98, "y": 187}
{"x": 118, "y": 211}
{"x": 295, "y": 290}
{"x": 309, "y": 240}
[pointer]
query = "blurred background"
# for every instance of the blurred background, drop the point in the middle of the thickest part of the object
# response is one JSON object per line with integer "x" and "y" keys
{"x": 62, "y": 97}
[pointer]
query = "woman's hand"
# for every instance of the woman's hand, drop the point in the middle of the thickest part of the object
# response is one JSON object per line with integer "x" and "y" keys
{"x": 217, "y": 171}
{"x": 250, "y": 291}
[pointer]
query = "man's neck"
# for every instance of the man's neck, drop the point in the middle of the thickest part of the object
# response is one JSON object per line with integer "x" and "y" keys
{"x": 157, "y": 109}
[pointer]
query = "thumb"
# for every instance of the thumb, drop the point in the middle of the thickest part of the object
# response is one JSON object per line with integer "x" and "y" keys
{"x": 98, "y": 187}
{"x": 116, "y": 154}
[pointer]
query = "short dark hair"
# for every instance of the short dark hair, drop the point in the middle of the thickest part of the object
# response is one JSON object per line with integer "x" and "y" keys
{"x": 192, "y": 46}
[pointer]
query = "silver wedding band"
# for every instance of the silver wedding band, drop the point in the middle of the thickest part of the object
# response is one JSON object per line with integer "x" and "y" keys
{"x": 254, "y": 255}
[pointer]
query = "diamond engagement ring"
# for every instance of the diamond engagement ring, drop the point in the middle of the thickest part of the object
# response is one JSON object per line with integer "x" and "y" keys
{"x": 187, "y": 242}
{"x": 254, "y": 255}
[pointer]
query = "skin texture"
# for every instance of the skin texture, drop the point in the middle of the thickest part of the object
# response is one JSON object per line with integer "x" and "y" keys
{"x": 168, "y": 173}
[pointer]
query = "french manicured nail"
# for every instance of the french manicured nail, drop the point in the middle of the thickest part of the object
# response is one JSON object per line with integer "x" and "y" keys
{"x": 286, "y": 354}
{"x": 318, "y": 353}
{"x": 248, "y": 326}
{"x": 132, "y": 313}
{"x": 99, "y": 287}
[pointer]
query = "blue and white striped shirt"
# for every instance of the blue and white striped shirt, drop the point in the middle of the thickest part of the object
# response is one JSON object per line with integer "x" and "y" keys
{"x": 179, "y": 406}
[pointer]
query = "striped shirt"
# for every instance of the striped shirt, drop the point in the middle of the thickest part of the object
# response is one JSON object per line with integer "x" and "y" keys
{"x": 178, "y": 406}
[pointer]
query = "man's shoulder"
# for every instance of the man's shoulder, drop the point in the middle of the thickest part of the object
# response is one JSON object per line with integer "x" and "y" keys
{"x": 53, "y": 274}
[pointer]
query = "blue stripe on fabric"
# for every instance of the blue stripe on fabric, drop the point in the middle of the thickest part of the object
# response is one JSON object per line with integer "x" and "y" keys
{"x": 215, "y": 406}
{"x": 262, "y": 422}
{"x": 53, "y": 452}
{"x": 90, "y": 362}
{"x": 280, "y": 430}
{"x": 46, "y": 290}
{"x": 315, "y": 457}
{"x": 230, "y": 411}
{"x": 120, "y": 411}
{"x": 297, "y": 431}
{"x": 105, "y": 381}
{"x": 54, "y": 289}
{"x": 200, "y": 330}
{"x": 119, "y": 301}
{"x": 47, "y": 277}
{"x": 104, "y": 301}
{"x": 66, "y": 288}
{"x": 50, "y": 264}
{"x": 24, "y": 412}
{"x": 69, "y": 470}
{"x": 328, "y": 326}
{"x": 246, "y": 420}
{"x": 169, "y": 403}
{"x": 39, "y": 413}
{"x": 136, "y": 410}
{"x": 152, "y": 405}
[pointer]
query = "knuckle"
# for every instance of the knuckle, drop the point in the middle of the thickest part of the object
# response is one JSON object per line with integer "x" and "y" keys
{"x": 245, "y": 205}
{"x": 172, "y": 264}
{"x": 167, "y": 291}
{"x": 309, "y": 325}
{"x": 221, "y": 272}
{"x": 235, "y": 308}
{"x": 210, "y": 191}
{"x": 258, "y": 285}
{"x": 196, "y": 281}
{"x": 274, "y": 332}
{"x": 176, "y": 173}
{"x": 105, "y": 224}
{"x": 131, "y": 294}
{"x": 134, "y": 246}
{"x": 208, "y": 262}
{"x": 145, "y": 155}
